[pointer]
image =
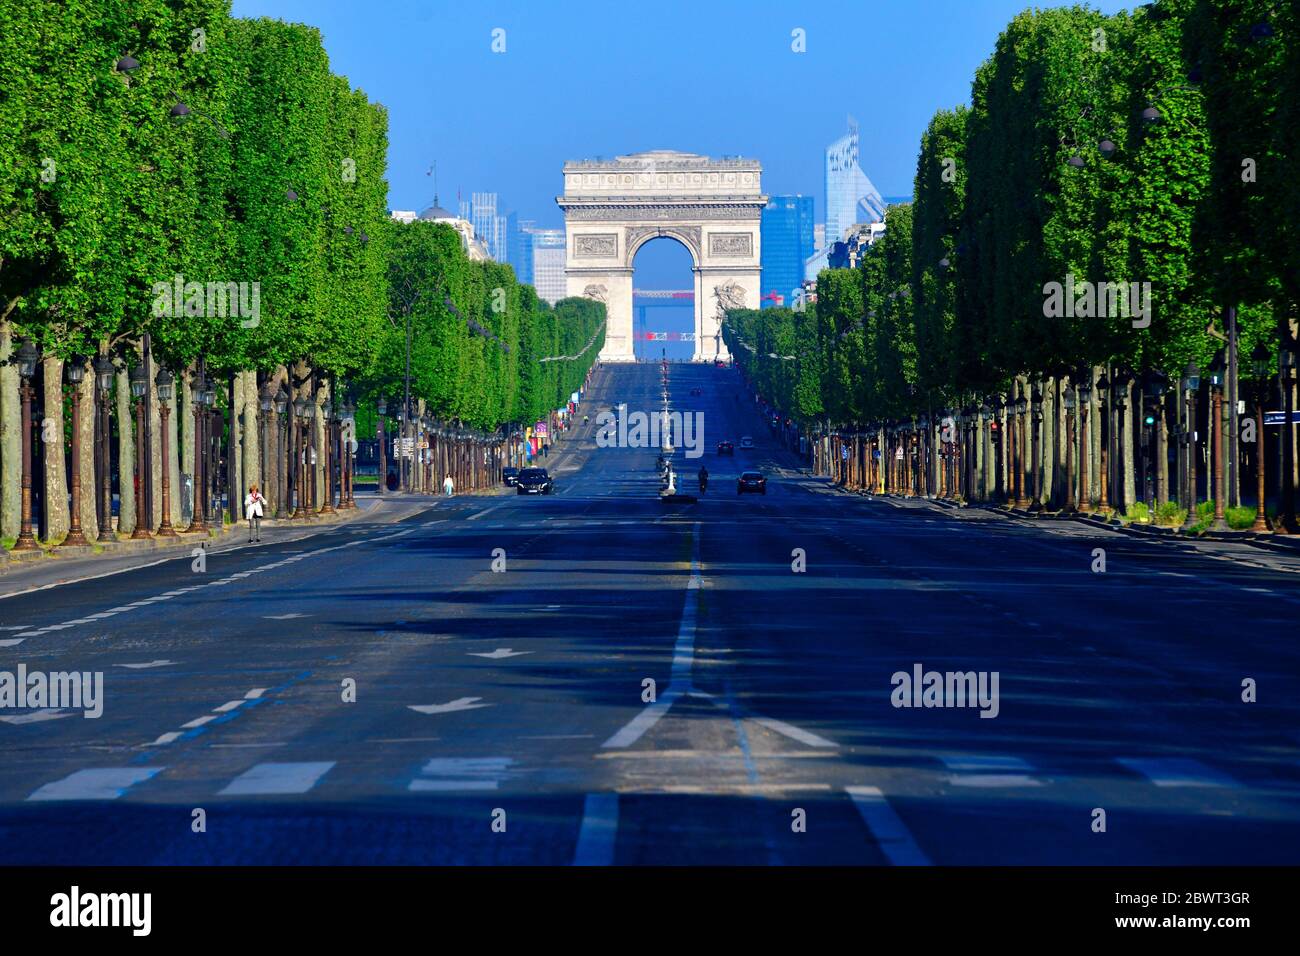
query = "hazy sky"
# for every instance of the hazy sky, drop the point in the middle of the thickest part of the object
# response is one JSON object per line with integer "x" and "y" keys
{"x": 580, "y": 80}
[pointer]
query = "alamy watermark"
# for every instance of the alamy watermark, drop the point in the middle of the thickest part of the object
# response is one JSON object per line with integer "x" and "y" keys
{"x": 922, "y": 688}
{"x": 651, "y": 430}
{"x": 40, "y": 690}
{"x": 212, "y": 300}
{"x": 1099, "y": 300}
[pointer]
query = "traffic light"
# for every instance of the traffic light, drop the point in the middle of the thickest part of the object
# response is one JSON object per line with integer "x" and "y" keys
{"x": 1149, "y": 420}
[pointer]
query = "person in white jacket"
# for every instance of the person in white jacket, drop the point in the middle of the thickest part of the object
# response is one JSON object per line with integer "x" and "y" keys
{"x": 253, "y": 512}
{"x": 448, "y": 486}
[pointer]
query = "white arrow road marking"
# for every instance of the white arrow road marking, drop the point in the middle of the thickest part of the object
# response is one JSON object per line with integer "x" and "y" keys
{"x": 886, "y": 828}
{"x": 599, "y": 831}
{"x": 277, "y": 778}
{"x": 499, "y": 653}
{"x": 282, "y": 617}
{"x": 443, "y": 774}
{"x": 99, "y": 783}
{"x": 139, "y": 667}
{"x": 460, "y": 703}
{"x": 38, "y": 716}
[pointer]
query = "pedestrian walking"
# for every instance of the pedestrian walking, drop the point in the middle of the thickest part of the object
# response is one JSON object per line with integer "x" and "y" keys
{"x": 253, "y": 512}
{"x": 448, "y": 486}
{"x": 546, "y": 450}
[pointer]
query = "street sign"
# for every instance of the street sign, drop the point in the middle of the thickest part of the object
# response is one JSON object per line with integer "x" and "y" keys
{"x": 1277, "y": 418}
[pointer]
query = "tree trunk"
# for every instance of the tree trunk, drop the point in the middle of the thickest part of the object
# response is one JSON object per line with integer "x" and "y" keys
{"x": 54, "y": 501}
{"x": 251, "y": 461}
{"x": 11, "y": 446}
{"x": 185, "y": 448}
{"x": 174, "y": 429}
{"x": 125, "y": 454}
{"x": 89, "y": 515}
{"x": 1130, "y": 470}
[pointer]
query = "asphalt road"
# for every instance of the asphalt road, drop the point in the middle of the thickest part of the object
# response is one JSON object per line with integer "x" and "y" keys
{"x": 500, "y": 716}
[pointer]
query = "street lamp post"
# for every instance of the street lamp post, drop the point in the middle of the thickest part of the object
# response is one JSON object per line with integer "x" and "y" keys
{"x": 1036, "y": 446}
{"x": 1085, "y": 449}
{"x": 1191, "y": 384}
{"x": 76, "y": 372}
{"x": 283, "y": 471}
{"x": 104, "y": 372}
{"x": 1068, "y": 400}
{"x": 265, "y": 405}
{"x": 327, "y": 412}
{"x": 140, "y": 392}
{"x": 1259, "y": 365}
{"x": 381, "y": 409}
{"x": 198, "y": 392}
{"x": 28, "y": 357}
{"x": 1216, "y": 392}
{"x": 299, "y": 457}
{"x": 1287, "y": 522}
{"x": 1103, "y": 422}
{"x": 166, "y": 388}
{"x": 1019, "y": 499}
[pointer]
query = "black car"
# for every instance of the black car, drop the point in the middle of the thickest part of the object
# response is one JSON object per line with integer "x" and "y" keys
{"x": 751, "y": 481}
{"x": 510, "y": 476}
{"x": 533, "y": 481}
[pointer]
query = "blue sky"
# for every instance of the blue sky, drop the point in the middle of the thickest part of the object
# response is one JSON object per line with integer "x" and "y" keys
{"x": 583, "y": 79}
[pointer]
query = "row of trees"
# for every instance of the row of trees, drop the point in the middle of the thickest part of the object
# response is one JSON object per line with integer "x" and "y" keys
{"x": 189, "y": 196}
{"x": 1114, "y": 209}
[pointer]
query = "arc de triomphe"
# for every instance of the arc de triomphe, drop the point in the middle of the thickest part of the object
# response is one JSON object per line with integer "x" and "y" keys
{"x": 711, "y": 206}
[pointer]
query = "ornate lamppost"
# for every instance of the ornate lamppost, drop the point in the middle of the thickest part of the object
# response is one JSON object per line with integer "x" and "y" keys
{"x": 381, "y": 409}
{"x": 104, "y": 372}
{"x": 1287, "y": 522}
{"x": 1191, "y": 384}
{"x": 1217, "y": 369}
{"x": 1036, "y": 446}
{"x": 1259, "y": 365}
{"x": 1085, "y": 449}
{"x": 199, "y": 398}
{"x": 140, "y": 392}
{"x": 1068, "y": 401}
{"x": 166, "y": 388}
{"x": 265, "y": 405}
{"x": 300, "y": 457}
{"x": 1020, "y": 499}
{"x": 330, "y": 417}
{"x": 1103, "y": 470}
{"x": 75, "y": 368}
{"x": 28, "y": 357}
{"x": 284, "y": 490}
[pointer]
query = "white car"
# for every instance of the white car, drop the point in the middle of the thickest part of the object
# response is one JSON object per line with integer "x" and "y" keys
{"x": 746, "y": 441}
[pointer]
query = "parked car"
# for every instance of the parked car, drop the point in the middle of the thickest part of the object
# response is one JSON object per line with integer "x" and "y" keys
{"x": 510, "y": 476}
{"x": 533, "y": 481}
{"x": 726, "y": 448}
{"x": 751, "y": 482}
{"x": 746, "y": 441}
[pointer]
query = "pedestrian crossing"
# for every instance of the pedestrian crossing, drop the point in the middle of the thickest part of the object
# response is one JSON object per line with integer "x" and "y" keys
{"x": 480, "y": 773}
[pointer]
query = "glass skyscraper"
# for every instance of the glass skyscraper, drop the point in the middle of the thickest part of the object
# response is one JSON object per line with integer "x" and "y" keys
{"x": 548, "y": 264}
{"x": 520, "y": 232}
{"x": 787, "y": 240}
{"x": 850, "y": 196}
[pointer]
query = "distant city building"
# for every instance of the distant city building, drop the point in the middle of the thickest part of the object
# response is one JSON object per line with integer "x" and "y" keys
{"x": 850, "y": 196}
{"x": 815, "y": 263}
{"x": 548, "y": 264}
{"x": 490, "y": 226}
{"x": 848, "y": 252}
{"x": 404, "y": 215}
{"x": 787, "y": 241}
{"x": 472, "y": 245}
{"x": 521, "y": 247}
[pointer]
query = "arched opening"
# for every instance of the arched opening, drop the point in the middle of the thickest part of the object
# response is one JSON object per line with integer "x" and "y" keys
{"x": 663, "y": 301}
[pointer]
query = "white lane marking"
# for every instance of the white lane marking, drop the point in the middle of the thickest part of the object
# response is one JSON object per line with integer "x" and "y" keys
{"x": 99, "y": 783}
{"x": 146, "y": 665}
{"x": 90, "y": 577}
{"x": 485, "y": 511}
{"x": 14, "y": 627}
{"x": 996, "y": 770}
{"x": 283, "y": 617}
{"x": 679, "y": 681}
{"x": 499, "y": 654}
{"x": 12, "y": 641}
{"x": 795, "y": 733}
{"x": 1177, "y": 772}
{"x": 198, "y": 722}
{"x": 167, "y": 738}
{"x": 460, "y": 703}
{"x": 38, "y": 716}
{"x": 277, "y": 778}
{"x": 228, "y": 706}
{"x": 599, "y": 831}
{"x": 255, "y": 693}
{"x": 886, "y": 827}
{"x": 444, "y": 774}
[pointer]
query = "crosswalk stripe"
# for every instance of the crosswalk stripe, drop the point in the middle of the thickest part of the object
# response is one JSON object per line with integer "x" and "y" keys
{"x": 97, "y": 783}
{"x": 277, "y": 778}
{"x": 1177, "y": 772}
{"x": 990, "y": 770}
{"x": 599, "y": 831}
{"x": 449, "y": 774}
{"x": 886, "y": 827}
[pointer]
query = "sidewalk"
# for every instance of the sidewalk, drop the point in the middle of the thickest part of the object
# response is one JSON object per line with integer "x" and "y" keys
{"x": 50, "y": 569}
